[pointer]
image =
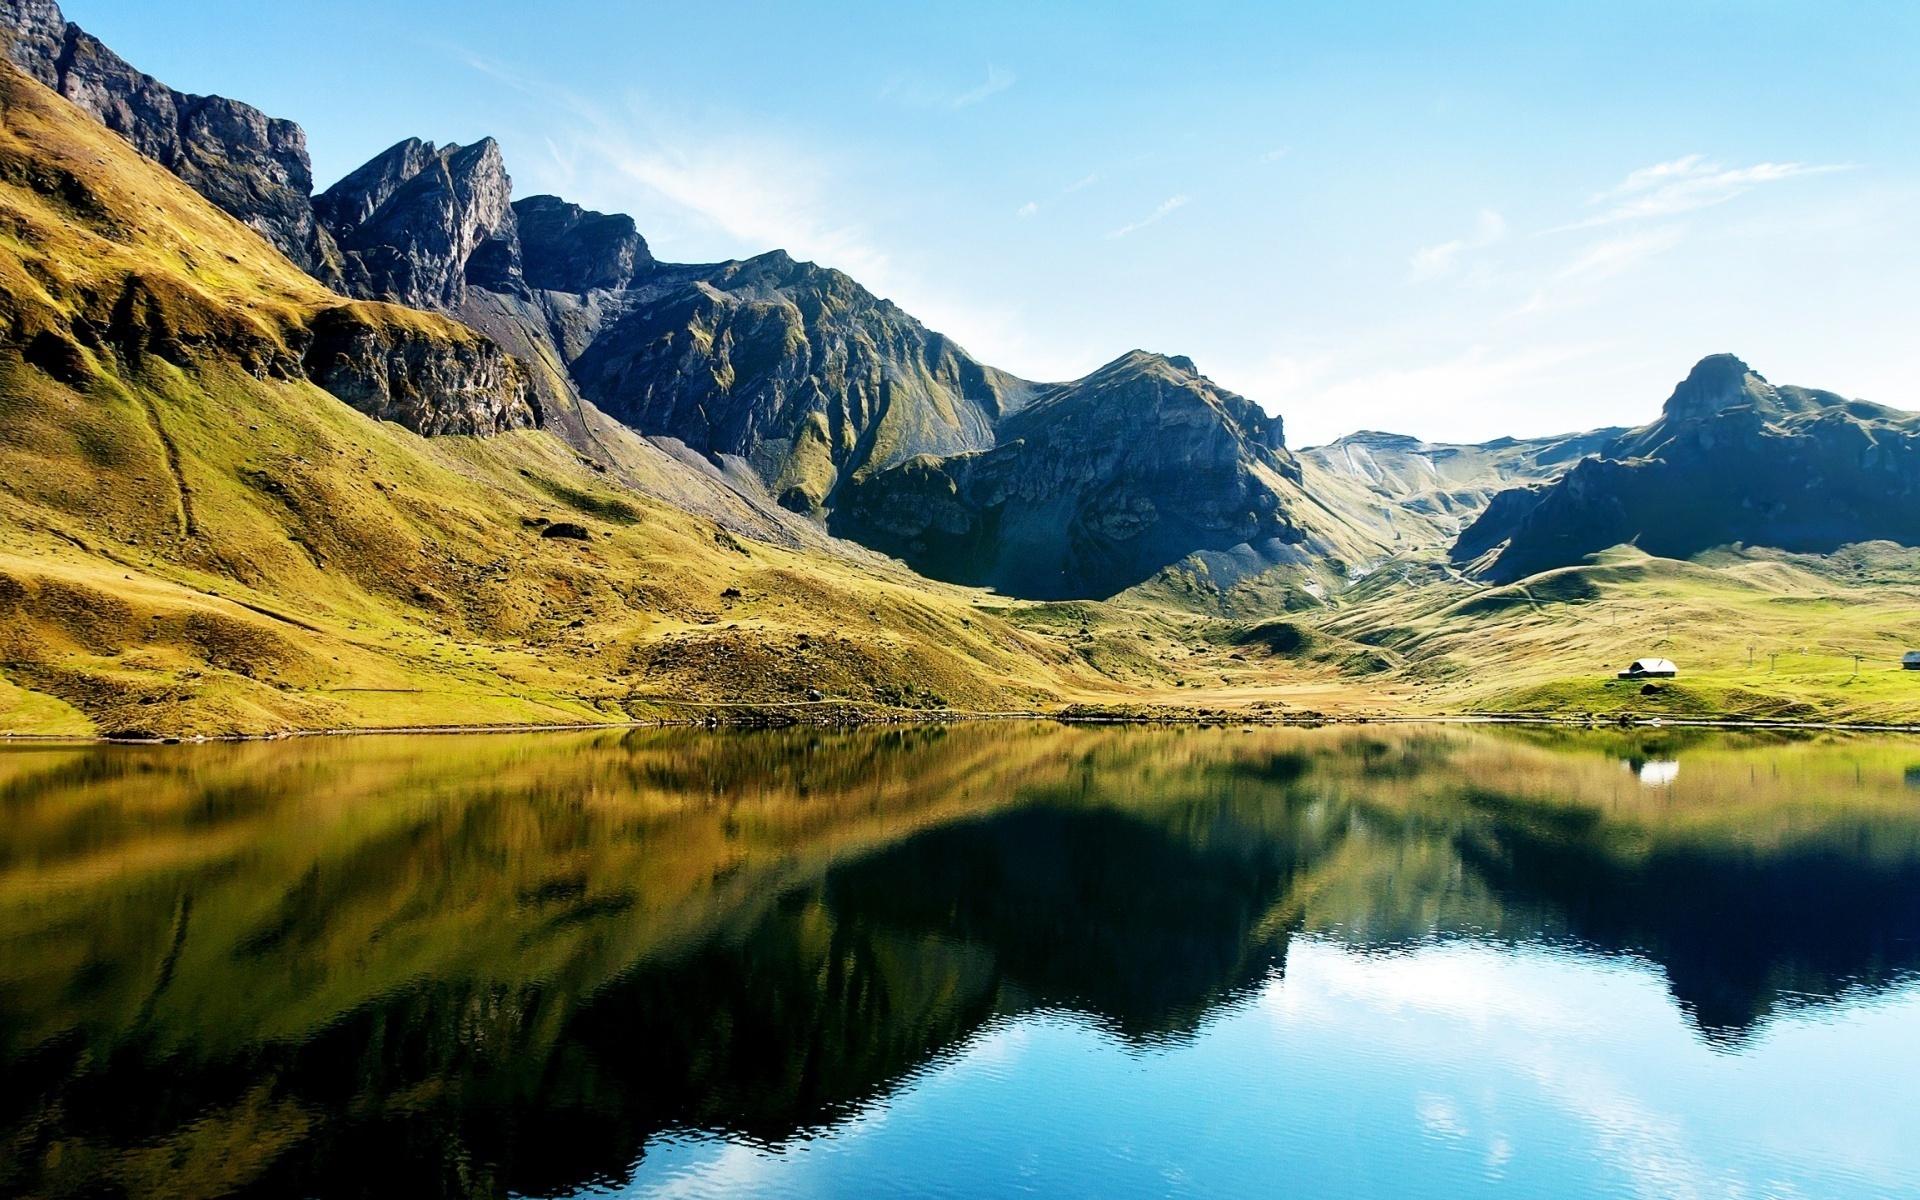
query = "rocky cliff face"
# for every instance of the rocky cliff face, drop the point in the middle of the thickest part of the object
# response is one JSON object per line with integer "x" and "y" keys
{"x": 253, "y": 166}
{"x": 1732, "y": 458}
{"x": 1095, "y": 486}
{"x": 569, "y": 249}
{"x": 417, "y": 225}
{"x": 385, "y": 363}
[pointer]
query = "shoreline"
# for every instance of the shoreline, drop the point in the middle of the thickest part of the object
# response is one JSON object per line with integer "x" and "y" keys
{"x": 780, "y": 717}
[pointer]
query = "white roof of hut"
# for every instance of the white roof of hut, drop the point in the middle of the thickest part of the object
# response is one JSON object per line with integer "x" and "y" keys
{"x": 1652, "y": 666}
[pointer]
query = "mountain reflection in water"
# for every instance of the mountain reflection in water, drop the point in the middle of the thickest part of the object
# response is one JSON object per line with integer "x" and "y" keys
{"x": 482, "y": 965}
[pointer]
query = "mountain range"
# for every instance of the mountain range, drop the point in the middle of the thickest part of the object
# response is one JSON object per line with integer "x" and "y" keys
{"x": 1731, "y": 459}
{"x": 835, "y": 402}
{"x": 550, "y": 361}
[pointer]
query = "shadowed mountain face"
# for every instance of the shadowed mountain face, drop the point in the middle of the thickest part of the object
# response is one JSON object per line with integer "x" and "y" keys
{"x": 797, "y": 369}
{"x": 510, "y": 962}
{"x": 569, "y": 249}
{"x": 1732, "y": 458}
{"x": 1095, "y": 486}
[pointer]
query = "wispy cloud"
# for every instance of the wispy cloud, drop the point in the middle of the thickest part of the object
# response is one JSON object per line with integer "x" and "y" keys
{"x": 1615, "y": 255}
{"x": 1684, "y": 184}
{"x": 916, "y": 92}
{"x": 759, "y": 191}
{"x": 1435, "y": 261}
{"x": 998, "y": 80}
{"x": 1481, "y": 391}
{"x": 1167, "y": 206}
{"x": 1032, "y": 207}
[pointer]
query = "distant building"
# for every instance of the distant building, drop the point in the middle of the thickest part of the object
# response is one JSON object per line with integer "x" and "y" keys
{"x": 1911, "y": 660}
{"x": 1650, "y": 668}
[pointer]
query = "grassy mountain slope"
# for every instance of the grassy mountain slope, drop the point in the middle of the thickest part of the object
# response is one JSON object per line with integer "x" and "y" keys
{"x": 194, "y": 538}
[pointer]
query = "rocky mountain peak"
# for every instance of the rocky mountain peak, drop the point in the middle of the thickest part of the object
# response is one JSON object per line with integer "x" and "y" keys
{"x": 418, "y": 224}
{"x": 1093, "y": 486}
{"x": 1732, "y": 458}
{"x": 350, "y": 203}
{"x": 1153, "y": 388}
{"x": 567, "y": 248}
{"x": 1716, "y": 382}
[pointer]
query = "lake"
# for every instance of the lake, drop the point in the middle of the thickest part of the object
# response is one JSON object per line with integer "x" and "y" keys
{"x": 981, "y": 960}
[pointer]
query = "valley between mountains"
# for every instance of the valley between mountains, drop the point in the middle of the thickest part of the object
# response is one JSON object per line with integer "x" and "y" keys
{"x": 412, "y": 451}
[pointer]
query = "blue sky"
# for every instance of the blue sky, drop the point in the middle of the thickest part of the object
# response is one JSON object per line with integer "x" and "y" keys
{"x": 1454, "y": 220}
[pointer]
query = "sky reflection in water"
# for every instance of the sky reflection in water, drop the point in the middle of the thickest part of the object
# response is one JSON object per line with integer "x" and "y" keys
{"x": 979, "y": 961}
{"x": 1452, "y": 1070}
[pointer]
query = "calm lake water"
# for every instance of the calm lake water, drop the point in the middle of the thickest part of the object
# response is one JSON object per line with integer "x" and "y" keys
{"x": 988, "y": 960}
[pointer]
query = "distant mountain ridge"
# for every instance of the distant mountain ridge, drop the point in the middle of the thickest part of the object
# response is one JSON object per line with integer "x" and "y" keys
{"x": 1731, "y": 459}
{"x": 1414, "y": 495}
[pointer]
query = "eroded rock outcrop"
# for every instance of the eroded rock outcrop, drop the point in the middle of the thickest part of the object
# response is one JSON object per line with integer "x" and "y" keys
{"x": 390, "y": 365}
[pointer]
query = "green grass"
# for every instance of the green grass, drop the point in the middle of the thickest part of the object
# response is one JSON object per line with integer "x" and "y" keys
{"x": 1754, "y": 635}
